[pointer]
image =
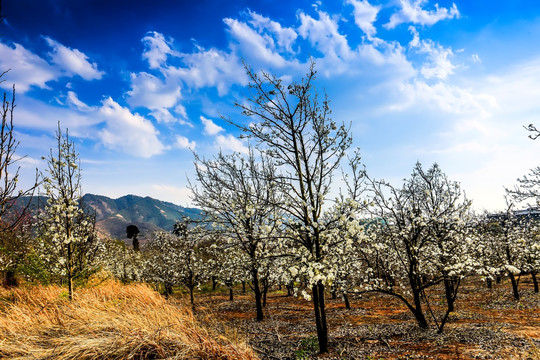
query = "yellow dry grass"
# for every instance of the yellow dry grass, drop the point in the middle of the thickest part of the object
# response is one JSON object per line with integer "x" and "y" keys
{"x": 110, "y": 321}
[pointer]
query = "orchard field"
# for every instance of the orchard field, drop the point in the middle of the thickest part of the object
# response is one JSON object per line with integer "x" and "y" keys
{"x": 487, "y": 324}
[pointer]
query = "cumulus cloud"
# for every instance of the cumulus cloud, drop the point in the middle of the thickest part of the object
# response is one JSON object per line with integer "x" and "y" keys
{"x": 26, "y": 68}
{"x": 412, "y": 12}
{"x": 209, "y": 68}
{"x": 149, "y": 91}
{"x": 365, "y": 15}
{"x": 72, "y": 61}
{"x": 183, "y": 142}
{"x": 128, "y": 132}
{"x": 324, "y": 35}
{"x": 285, "y": 36}
{"x": 210, "y": 128}
{"x": 161, "y": 97}
{"x": 157, "y": 49}
{"x": 438, "y": 64}
{"x": 229, "y": 142}
{"x": 73, "y": 100}
{"x": 256, "y": 46}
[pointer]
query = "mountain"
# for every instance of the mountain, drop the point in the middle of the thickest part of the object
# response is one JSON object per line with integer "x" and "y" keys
{"x": 114, "y": 215}
{"x": 148, "y": 214}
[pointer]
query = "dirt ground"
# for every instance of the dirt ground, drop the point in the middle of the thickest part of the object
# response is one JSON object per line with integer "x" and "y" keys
{"x": 487, "y": 324}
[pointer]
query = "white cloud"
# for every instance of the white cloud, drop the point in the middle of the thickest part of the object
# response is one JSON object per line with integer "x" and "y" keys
{"x": 150, "y": 92}
{"x": 26, "y": 69}
{"x": 210, "y": 128}
{"x": 127, "y": 132}
{"x": 73, "y": 99}
{"x": 183, "y": 142}
{"x": 285, "y": 36}
{"x": 72, "y": 61}
{"x": 254, "y": 45}
{"x": 365, "y": 15}
{"x": 209, "y": 68}
{"x": 157, "y": 49}
{"x": 448, "y": 98}
{"x": 412, "y": 12}
{"x": 232, "y": 143}
{"x": 324, "y": 35}
{"x": 438, "y": 64}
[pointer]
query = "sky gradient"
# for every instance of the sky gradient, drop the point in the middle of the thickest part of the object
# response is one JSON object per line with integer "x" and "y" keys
{"x": 140, "y": 85}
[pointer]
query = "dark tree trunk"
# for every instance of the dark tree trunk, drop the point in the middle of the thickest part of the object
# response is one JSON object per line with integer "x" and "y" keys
{"x": 346, "y": 299}
{"x": 191, "y": 297}
{"x": 489, "y": 283}
{"x": 136, "y": 246}
{"x": 258, "y": 295}
{"x": 243, "y": 287}
{"x": 334, "y": 293}
{"x": 290, "y": 289}
{"x": 449, "y": 293}
{"x": 265, "y": 290}
{"x": 498, "y": 279}
{"x": 535, "y": 281}
{"x": 214, "y": 283}
{"x": 10, "y": 280}
{"x": 320, "y": 317}
{"x": 417, "y": 311}
{"x": 70, "y": 271}
{"x": 168, "y": 290}
{"x": 514, "y": 282}
{"x": 231, "y": 294}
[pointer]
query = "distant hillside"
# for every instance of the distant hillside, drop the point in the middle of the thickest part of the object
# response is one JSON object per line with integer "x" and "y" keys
{"x": 114, "y": 215}
{"x": 150, "y": 215}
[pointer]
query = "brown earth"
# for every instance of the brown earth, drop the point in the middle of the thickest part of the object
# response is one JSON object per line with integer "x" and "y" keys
{"x": 487, "y": 324}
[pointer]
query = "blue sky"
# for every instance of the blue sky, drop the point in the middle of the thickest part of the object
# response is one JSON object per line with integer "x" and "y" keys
{"x": 141, "y": 83}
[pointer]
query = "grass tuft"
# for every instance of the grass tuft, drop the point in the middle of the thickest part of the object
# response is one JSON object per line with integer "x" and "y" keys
{"x": 110, "y": 321}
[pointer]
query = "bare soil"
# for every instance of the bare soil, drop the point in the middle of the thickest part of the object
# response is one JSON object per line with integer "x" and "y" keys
{"x": 487, "y": 324}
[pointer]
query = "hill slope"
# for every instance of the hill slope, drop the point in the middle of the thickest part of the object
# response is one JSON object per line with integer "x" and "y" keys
{"x": 114, "y": 215}
{"x": 148, "y": 214}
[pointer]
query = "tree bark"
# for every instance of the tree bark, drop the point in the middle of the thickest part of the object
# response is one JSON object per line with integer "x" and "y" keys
{"x": 258, "y": 295}
{"x": 320, "y": 317}
{"x": 449, "y": 293}
{"x": 10, "y": 280}
{"x": 514, "y": 285}
{"x": 346, "y": 299}
{"x": 231, "y": 294}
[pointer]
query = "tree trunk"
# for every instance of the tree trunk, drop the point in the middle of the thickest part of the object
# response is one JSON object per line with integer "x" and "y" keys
{"x": 290, "y": 288}
{"x": 243, "y": 287}
{"x": 449, "y": 293}
{"x": 70, "y": 271}
{"x": 258, "y": 295}
{"x": 10, "y": 280}
{"x": 320, "y": 317}
{"x": 514, "y": 285}
{"x": 265, "y": 290}
{"x": 231, "y": 295}
{"x": 214, "y": 283}
{"x": 346, "y": 299}
{"x": 498, "y": 279}
{"x": 535, "y": 281}
{"x": 334, "y": 293}
{"x": 489, "y": 283}
{"x": 418, "y": 313}
{"x": 191, "y": 297}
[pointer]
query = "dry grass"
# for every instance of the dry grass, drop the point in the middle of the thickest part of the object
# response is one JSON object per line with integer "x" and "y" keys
{"x": 110, "y": 321}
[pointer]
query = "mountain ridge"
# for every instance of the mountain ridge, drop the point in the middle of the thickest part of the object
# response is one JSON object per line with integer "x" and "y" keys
{"x": 114, "y": 215}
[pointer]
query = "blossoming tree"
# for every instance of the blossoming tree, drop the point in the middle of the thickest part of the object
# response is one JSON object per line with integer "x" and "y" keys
{"x": 69, "y": 241}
